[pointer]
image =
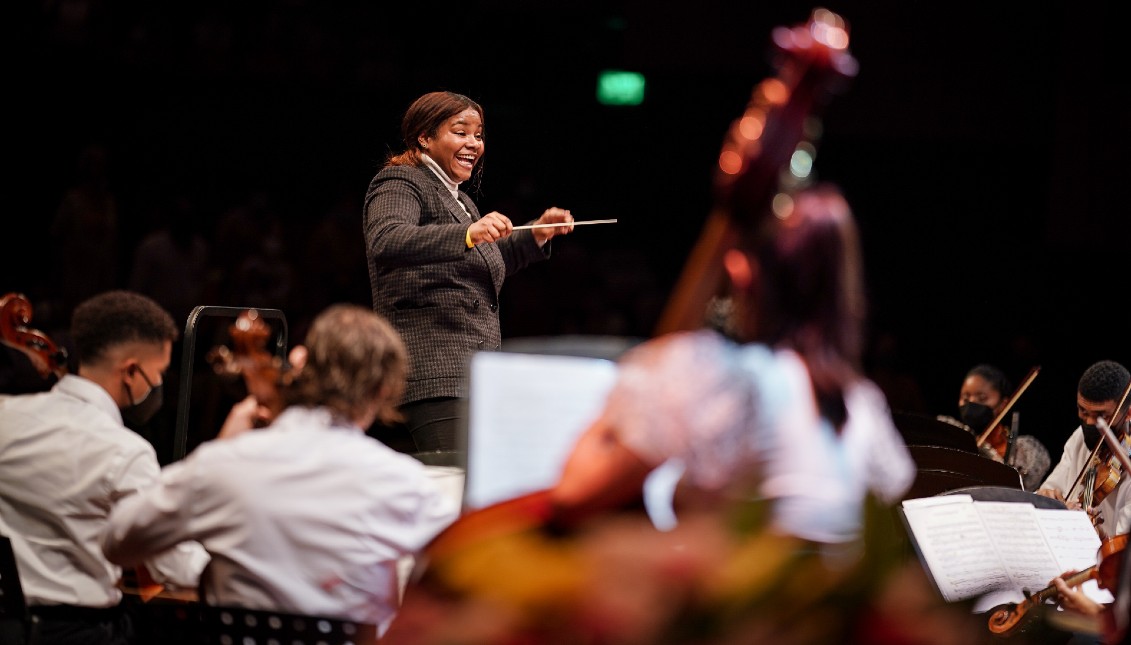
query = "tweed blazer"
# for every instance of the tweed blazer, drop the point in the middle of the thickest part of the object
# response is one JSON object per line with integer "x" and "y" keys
{"x": 441, "y": 296}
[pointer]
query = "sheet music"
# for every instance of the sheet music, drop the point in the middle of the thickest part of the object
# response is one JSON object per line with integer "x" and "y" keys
{"x": 1020, "y": 544}
{"x": 1075, "y": 544}
{"x": 991, "y": 551}
{"x": 955, "y": 546}
{"x": 524, "y": 414}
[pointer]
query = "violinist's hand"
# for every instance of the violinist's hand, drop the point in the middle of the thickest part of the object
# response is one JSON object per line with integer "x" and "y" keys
{"x": 491, "y": 227}
{"x": 1071, "y": 598}
{"x": 553, "y": 216}
{"x": 245, "y": 415}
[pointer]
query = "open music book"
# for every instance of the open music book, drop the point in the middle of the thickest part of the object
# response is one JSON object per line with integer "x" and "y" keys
{"x": 992, "y": 551}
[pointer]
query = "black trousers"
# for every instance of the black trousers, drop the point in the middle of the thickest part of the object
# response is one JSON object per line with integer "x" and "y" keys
{"x": 71, "y": 625}
{"x": 436, "y": 424}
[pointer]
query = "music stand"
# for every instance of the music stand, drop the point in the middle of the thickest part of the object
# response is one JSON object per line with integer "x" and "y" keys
{"x": 922, "y": 430}
{"x": 1005, "y": 494}
{"x": 215, "y": 322}
{"x": 945, "y": 469}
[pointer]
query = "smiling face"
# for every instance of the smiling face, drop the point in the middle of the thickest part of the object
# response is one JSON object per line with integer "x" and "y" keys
{"x": 457, "y": 145}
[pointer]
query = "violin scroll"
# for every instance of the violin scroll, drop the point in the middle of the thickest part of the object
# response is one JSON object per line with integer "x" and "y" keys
{"x": 15, "y": 317}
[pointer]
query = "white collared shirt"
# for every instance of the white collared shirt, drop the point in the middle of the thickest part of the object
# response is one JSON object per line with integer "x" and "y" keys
{"x": 65, "y": 461}
{"x": 306, "y": 516}
{"x": 1074, "y": 458}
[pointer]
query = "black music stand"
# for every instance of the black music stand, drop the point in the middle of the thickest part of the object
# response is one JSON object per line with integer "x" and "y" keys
{"x": 1005, "y": 494}
{"x": 942, "y": 470}
{"x": 213, "y": 322}
{"x": 922, "y": 430}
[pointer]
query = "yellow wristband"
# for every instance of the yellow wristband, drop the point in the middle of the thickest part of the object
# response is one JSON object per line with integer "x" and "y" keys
{"x": 467, "y": 238}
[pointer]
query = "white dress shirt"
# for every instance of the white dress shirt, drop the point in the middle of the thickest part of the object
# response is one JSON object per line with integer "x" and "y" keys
{"x": 1072, "y": 461}
{"x": 306, "y": 516}
{"x": 65, "y": 461}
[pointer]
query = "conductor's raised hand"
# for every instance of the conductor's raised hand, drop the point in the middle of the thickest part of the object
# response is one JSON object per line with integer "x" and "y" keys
{"x": 491, "y": 227}
{"x": 553, "y": 215}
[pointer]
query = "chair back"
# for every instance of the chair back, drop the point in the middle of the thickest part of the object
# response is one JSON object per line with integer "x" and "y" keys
{"x": 235, "y": 625}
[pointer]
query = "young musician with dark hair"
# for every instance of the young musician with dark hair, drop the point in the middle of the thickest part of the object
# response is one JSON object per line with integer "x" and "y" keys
{"x": 67, "y": 459}
{"x": 985, "y": 392}
{"x": 1097, "y": 396}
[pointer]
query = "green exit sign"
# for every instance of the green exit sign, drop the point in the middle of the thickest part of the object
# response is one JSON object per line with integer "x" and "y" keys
{"x": 616, "y": 87}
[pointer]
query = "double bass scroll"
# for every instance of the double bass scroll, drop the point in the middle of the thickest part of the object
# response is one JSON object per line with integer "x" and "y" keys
{"x": 779, "y": 121}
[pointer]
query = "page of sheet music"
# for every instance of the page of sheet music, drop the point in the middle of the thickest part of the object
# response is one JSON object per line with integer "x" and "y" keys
{"x": 1020, "y": 543}
{"x": 1075, "y": 544}
{"x": 524, "y": 414}
{"x": 956, "y": 546}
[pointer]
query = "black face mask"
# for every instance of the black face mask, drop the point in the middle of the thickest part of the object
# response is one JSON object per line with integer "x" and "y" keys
{"x": 138, "y": 413}
{"x": 1091, "y": 435}
{"x": 976, "y": 415}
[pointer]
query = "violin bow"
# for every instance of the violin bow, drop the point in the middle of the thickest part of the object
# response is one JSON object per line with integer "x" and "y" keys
{"x": 1005, "y": 409}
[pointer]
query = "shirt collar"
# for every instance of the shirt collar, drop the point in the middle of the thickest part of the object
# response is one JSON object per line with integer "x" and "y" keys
{"x": 87, "y": 390}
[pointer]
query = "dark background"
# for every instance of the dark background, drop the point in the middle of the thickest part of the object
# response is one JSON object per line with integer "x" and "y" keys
{"x": 981, "y": 145}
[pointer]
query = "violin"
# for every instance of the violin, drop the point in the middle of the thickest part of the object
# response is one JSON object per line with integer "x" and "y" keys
{"x": 996, "y": 435}
{"x": 1014, "y": 618}
{"x": 263, "y": 373}
{"x": 15, "y": 315}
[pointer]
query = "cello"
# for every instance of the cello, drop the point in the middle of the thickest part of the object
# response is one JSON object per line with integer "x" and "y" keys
{"x": 48, "y": 358}
{"x": 525, "y": 555}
